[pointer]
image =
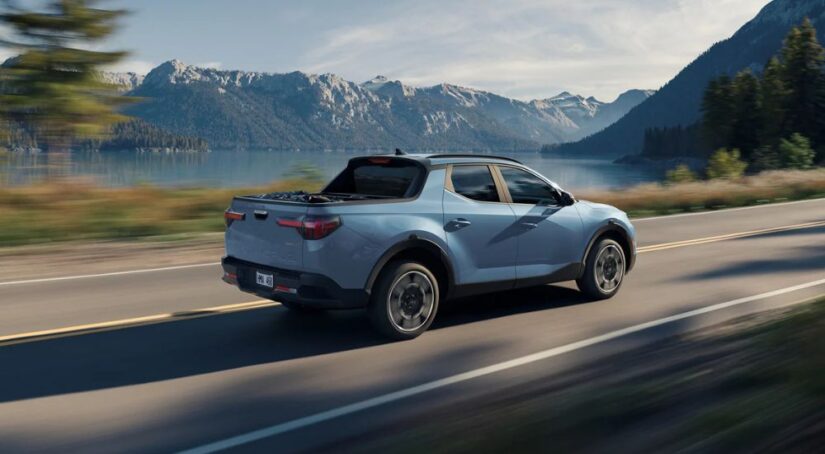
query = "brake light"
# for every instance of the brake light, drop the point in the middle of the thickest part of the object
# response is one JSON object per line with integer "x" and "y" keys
{"x": 294, "y": 223}
{"x": 317, "y": 228}
{"x": 379, "y": 160}
{"x": 313, "y": 228}
{"x": 230, "y": 216}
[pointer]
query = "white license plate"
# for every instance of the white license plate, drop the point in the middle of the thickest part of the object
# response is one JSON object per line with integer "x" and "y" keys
{"x": 264, "y": 279}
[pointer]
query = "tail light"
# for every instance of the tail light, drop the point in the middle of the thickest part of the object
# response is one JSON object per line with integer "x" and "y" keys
{"x": 230, "y": 216}
{"x": 313, "y": 228}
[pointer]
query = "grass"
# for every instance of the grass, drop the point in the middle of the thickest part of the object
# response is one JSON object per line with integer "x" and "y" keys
{"x": 77, "y": 210}
{"x": 80, "y": 210}
{"x": 755, "y": 386}
{"x": 659, "y": 199}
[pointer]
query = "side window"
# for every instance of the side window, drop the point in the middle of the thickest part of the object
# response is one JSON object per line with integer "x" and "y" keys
{"x": 527, "y": 188}
{"x": 475, "y": 182}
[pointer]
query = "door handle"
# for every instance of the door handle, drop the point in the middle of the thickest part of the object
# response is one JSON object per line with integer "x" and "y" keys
{"x": 530, "y": 225}
{"x": 460, "y": 223}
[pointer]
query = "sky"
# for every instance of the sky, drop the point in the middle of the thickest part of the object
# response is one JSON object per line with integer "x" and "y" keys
{"x": 524, "y": 49}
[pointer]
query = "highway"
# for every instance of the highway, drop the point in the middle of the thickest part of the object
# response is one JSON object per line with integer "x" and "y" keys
{"x": 178, "y": 360}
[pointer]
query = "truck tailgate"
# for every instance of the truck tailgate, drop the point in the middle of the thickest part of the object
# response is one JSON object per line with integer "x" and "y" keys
{"x": 259, "y": 239}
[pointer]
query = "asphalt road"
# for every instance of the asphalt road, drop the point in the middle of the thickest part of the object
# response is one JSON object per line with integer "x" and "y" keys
{"x": 192, "y": 382}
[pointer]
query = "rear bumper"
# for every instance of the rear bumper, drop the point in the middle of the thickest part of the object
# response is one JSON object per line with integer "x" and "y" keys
{"x": 306, "y": 289}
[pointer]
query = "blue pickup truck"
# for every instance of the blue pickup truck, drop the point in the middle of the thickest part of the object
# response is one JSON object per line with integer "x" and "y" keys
{"x": 400, "y": 234}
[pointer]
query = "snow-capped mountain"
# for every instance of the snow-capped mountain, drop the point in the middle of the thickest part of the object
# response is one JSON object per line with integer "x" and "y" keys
{"x": 126, "y": 81}
{"x": 298, "y": 110}
{"x": 678, "y": 102}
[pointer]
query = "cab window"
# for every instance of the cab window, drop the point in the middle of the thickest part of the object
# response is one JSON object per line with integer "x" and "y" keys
{"x": 475, "y": 182}
{"x": 527, "y": 188}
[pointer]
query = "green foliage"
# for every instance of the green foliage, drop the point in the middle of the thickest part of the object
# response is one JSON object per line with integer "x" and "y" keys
{"x": 138, "y": 134}
{"x": 128, "y": 135}
{"x": 756, "y": 115}
{"x": 53, "y": 85}
{"x": 765, "y": 158}
{"x": 726, "y": 164}
{"x": 662, "y": 143}
{"x": 747, "y": 117}
{"x": 718, "y": 107}
{"x": 796, "y": 152}
{"x": 681, "y": 174}
{"x": 803, "y": 58}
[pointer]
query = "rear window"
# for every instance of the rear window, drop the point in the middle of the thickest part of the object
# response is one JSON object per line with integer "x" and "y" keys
{"x": 378, "y": 177}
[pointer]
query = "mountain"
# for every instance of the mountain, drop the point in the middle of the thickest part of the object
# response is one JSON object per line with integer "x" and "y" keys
{"x": 233, "y": 109}
{"x": 592, "y": 115}
{"x": 127, "y": 81}
{"x": 679, "y": 102}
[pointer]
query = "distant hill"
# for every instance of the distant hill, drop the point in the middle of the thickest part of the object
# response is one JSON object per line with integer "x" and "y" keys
{"x": 678, "y": 102}
{"x": 129, "y": 135}
{"x": 237, "y": 109}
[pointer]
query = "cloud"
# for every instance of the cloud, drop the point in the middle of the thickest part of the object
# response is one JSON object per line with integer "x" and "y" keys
{"x": 529, "y": 48}
{"x": 210, "y": 65}
{"x": 132, "y": 66}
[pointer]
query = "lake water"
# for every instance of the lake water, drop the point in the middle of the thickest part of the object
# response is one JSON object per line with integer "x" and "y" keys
{"x": 253, "y": 168}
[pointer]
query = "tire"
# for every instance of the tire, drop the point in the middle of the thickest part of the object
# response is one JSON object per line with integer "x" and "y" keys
{"x": 404, "y": 300}
{"x": 604, "y": 270}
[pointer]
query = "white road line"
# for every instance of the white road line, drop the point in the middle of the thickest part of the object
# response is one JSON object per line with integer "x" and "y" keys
{"x": 117, "y": 273}
{"x": 299, "y": 423}
{"x": 724, "y": 210}
{"x": 199, "y": 265}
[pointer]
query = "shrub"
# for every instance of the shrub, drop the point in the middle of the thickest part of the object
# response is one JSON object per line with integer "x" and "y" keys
{"x": 766, "y": 158}
{"x": 796, "y": 152}
{"x": 681, "y": 174}
{"x": 726, "y": 164}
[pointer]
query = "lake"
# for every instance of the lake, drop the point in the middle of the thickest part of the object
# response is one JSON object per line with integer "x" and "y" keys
{"x": 257, "y": 167}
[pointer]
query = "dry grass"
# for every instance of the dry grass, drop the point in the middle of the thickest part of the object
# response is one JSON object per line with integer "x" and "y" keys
{"x": 81, "y": 210}
{"x": 708, "y": 195}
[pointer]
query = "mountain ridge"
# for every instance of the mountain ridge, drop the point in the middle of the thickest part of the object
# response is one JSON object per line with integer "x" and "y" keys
{"x": 679, "y": 101}
{"x": 297, "y": 110}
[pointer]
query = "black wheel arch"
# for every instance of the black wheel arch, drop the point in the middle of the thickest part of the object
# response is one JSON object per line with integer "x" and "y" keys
{"x": 422, "y": 250}
{"x": 617, "y": 232}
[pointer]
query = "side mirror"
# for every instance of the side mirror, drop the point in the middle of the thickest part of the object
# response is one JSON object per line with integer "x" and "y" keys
{"x": 567, "y": 198}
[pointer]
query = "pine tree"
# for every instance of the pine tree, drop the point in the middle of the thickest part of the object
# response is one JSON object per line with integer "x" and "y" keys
{"x": 53, "y": 86}
{"x": 803, "y": 58}
{"x": 718, "y": 112}
{"x": 747, "y": 113}
{"x": 774, "y": 103}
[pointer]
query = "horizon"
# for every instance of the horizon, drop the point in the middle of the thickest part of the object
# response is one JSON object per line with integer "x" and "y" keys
{"x": 523, "y": 50}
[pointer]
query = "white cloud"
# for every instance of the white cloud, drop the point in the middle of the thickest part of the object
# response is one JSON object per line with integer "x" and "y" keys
{"x": 132, "y": 66}
{"x": 530, "y": 48}
{"x": 210, "y": 65}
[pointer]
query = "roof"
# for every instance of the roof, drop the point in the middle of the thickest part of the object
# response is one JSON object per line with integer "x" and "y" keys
{"x": 453, "y": 158}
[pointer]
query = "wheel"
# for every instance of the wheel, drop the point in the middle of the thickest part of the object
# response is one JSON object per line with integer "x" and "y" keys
{"x": 404, "y": 300}
{"x": 604, "y": 270}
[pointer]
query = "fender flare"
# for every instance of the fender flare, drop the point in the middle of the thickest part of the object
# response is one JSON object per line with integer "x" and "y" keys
{"x": 413, "y": 242}
{"x": 611, "y": 226}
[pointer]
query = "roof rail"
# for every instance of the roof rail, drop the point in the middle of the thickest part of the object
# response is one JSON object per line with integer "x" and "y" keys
{"x": 470, "y": 155}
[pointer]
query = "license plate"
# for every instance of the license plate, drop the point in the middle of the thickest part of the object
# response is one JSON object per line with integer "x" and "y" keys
{"x": 264, "y": 279}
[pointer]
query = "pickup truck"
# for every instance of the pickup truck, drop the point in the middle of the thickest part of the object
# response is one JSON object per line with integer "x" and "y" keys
{"x": 400, "y": 234}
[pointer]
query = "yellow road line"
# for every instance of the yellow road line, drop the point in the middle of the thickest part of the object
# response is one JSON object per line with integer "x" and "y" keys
{"x": 209, "y": 311}
{"x": 730, "y": 236}
{"x": 131, "y": 322}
